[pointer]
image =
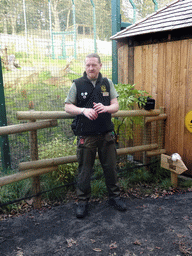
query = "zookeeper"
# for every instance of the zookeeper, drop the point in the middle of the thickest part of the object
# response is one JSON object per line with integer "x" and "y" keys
{"x": 92, "y": 99}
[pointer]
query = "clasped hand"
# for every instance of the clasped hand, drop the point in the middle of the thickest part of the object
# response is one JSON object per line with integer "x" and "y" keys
{"x": 92, "y": 113}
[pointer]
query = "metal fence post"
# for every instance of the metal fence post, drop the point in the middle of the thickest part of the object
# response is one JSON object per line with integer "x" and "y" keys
{"x": 116, "y": 27}
{"x": 4, "y": 142}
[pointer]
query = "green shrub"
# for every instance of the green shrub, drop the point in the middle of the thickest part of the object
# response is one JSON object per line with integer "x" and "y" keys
{"x": 165, "y": 184}
{"x": 20, "y": 55}
{"x": 185, "y": 183}
{"x": 128, "y": 99}
{"x": 98, "y": 188}
{"x": 44, "y": 75}
{"x": 73, "y": 76}
{"x": 14, "y": 191}
{"x": 59, "y": 147}
{"x": 154, "y": 174}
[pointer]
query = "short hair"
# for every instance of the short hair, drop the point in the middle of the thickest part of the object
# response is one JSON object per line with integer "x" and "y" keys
{"x": 94, "y": 55}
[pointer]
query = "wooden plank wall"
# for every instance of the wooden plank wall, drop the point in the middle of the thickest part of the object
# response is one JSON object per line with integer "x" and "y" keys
{"x": 123, "y": 64}
{"x": 164, "y": 70}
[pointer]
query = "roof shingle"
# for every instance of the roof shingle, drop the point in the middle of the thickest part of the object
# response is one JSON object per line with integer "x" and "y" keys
{"x": 176, "y": 15}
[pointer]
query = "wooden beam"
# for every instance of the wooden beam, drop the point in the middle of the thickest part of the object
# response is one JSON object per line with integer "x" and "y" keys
{"x": 174, "y": 179}
{"x": 34, "y": 156}
{"x": 28, "y": 115}
{"x": 25, "y": 175}
{"x": 18, "y": 128}
{"x": 155, "y": 118}
{"x": 70, "y": 159}
{"x": 155, "y": 152}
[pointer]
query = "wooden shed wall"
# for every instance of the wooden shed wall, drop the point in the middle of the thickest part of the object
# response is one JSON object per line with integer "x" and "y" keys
{"x": 164, "y": 70}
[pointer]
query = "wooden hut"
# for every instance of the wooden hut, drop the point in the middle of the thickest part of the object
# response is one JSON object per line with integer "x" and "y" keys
{"x": 155, "y": 54}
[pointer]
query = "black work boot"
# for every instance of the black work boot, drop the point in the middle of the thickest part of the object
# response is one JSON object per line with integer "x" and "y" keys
{"x": 118, "y": 203}
{"x": 82, "y": 209}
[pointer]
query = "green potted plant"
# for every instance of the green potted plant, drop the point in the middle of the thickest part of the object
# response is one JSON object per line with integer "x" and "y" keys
{"x": 128, "y": 99}
{"x": 146, "y": 102}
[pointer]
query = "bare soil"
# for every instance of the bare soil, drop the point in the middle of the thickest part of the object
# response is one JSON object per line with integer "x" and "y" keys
{"x": 161, "y": 226}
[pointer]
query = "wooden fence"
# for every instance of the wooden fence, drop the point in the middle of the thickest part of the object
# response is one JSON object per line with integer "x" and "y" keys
{"x": 35, "y": 168}
{"x": 164, "y": 70}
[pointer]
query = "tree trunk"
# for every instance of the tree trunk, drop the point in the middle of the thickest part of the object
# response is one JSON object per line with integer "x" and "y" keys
{"x": 56, "y": 16}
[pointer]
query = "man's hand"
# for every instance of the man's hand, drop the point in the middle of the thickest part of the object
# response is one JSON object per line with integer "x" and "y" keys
{"x": 99, "y": 107}
{"x": 90, "y": 113}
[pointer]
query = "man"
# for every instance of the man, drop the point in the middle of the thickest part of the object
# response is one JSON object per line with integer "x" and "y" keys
{"x": 92, "y": 99}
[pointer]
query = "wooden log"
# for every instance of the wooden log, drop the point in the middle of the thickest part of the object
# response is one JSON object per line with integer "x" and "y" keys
{"x": 146, "y": 139}
{"x": 174, "y": 179}
{"x": 69, "y": 159}
{"x": 155, "y": 118}
{"x": 34, "y": 156}
{"x": 47, "y": 162}
{"x": 161, "y": 130}
{"x": 27, "y": 115}
{"x": 131, "y": 150}
{"x": 155, "y": 152}
{"x": 18, "y": 128}
{"x": 25, "y": 175}
{"x": 131, "y": 113}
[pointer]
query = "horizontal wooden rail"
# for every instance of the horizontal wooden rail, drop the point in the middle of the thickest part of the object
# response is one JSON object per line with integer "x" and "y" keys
{"x": 69, "y": 159}
{"x": 39, "y": 167}
{"x": 28, "y": 115}
{"x": 18, "y": 128}
{"x": 155, "y": 152}
{"x": 25, "y": 174}
{"x": 155, "y": 118}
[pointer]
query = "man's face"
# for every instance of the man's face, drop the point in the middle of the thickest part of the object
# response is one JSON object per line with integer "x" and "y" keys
{"x": 92, "y": 67}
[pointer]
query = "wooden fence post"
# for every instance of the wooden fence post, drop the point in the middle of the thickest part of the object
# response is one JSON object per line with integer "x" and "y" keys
{"x": 34, "y": 157}
{"x": 161, "y": 129}
{"x": 146, "y": 140}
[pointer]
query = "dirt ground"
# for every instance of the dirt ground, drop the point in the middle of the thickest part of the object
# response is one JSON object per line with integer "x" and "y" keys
{"x": 150, "y": 226}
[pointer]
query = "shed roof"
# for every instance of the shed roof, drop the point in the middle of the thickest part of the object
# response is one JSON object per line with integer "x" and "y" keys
{"x": 176, "y": 15}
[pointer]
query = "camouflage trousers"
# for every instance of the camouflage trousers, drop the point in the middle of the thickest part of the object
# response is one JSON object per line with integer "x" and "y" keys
{"x": 87, "y": 146}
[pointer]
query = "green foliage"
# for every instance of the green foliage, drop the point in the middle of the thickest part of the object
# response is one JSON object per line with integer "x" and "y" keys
{"x": 14, "y": 191}
{"x": 59, "y": 147}
{"x": 165, "y": 184}
{"x": 185, "y": 183}
{"x": 48, "y": 182}
{"x": 135, "y": 176}
{"x": 73, "y": 76}
{"x": 20, "y": 55}
{"x": 98, "y": 188}
{"x": 155, "y": 174}
{"x": 129, "y": 98}
{"x": 44, "y": 75}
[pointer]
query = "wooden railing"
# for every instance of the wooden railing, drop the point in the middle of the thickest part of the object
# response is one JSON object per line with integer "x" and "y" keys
{"x": 35, "y": 168}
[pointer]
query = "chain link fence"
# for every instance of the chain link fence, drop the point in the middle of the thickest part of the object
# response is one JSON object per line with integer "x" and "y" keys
{"x": 43, "y": 54}
{"x": 43, "y": 48}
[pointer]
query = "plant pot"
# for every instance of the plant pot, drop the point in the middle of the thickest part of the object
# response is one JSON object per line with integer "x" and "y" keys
{"x": 149, "y": 104}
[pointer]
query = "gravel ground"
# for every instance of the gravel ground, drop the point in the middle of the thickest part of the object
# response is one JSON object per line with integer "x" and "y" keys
{"x": 150, "y": 226}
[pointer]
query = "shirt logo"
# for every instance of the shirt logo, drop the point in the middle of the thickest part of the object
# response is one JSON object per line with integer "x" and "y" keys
{"x": 84, "y": 95}
{"x": 103, "y": 88}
